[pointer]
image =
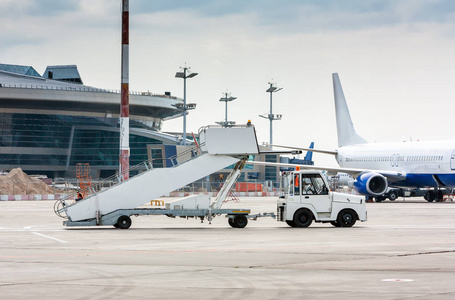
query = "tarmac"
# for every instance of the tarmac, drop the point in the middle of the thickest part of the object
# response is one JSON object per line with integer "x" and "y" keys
{"x": 406, "y": 250}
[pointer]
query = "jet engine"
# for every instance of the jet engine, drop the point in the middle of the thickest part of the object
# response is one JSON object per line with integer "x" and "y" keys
{"x": 370, "y": 183}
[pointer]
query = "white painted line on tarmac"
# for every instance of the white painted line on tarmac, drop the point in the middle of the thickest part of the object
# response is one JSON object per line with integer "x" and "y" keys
{"x": 417, "y": 226}
{"x": 398, "y": 280}
{"x": 4, "y": 229}
{"x": 51, "y": 238}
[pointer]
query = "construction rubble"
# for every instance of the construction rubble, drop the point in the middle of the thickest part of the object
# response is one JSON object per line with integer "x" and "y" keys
{"x": 16, "y": 182}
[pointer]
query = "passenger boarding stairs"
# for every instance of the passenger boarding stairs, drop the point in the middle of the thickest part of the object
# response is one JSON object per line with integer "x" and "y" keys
{"x": 219, "y": 148}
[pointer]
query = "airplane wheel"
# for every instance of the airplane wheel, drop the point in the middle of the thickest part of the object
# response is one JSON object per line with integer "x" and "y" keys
{"x": 124, "y": 222}
{"x": 346, "y": 218}
{"x": 429, "y": 196}
{"x": 303, "y": 218}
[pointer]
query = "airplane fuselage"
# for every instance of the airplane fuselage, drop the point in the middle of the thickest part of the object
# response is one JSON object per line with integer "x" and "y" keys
{"x": 426, "y": 164}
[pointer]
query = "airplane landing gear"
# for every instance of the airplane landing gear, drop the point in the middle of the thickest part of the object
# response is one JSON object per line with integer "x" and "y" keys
{"x": 436, "y": 195}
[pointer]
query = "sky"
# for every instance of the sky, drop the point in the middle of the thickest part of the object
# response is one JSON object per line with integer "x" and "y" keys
{"x": 395, "y": 60}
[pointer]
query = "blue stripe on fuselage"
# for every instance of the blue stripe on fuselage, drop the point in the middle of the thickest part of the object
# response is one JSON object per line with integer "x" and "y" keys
{"x": 447, "y": 179}
{"x": 425, "y": 180}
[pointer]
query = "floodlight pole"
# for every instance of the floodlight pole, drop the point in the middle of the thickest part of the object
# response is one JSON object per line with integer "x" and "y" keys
{"x": 225, "y": 110}
{"x": 185, "y": 107}
{"x": 227, "y": 97}
{"x": 271, "y": 116}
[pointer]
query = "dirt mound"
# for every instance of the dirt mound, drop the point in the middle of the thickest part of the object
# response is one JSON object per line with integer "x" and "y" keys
{"x": 16, "y": 182}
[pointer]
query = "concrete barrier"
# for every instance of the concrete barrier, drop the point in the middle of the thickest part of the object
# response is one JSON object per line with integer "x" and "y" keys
{"x": 35, "y": 197}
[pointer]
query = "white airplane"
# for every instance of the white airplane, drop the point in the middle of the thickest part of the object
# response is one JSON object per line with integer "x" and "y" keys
{"x": 375, "y": 166}
{"x": 341, "y": 179}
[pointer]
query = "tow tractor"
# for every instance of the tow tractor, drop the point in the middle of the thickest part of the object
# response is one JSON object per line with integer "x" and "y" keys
{"x": 305, "y": 196}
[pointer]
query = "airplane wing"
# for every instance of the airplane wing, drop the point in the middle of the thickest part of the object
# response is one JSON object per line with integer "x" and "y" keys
{"x": 332, "y": 152}
{"x": 391, "y": 175}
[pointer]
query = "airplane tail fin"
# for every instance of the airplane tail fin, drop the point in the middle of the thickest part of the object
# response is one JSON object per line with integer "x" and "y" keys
{"x": 309, "y": 154}
{"x": 345, "y": 129}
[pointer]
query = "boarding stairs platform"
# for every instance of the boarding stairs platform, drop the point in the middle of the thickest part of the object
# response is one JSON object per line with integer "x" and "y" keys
{"x": 219, "y": 147}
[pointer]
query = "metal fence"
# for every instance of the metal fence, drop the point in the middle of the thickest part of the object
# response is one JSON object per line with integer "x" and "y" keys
{"x": 70, "y": 186}
{"x": 206, "y": 185}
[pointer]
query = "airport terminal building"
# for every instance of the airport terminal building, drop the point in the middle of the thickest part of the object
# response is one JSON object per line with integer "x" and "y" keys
{"x": 49, "y": 123}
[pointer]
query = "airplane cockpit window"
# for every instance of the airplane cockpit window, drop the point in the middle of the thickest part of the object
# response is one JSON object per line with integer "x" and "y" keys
{"x": 313, "y": 184}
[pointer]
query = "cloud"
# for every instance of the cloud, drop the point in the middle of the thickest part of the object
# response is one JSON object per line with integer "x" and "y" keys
{"x": 43, "y": 8}
{"x": 312, "y": 15}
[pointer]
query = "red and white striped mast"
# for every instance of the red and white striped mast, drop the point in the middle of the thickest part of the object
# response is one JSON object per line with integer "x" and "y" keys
{"x": 124, "y": 107}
